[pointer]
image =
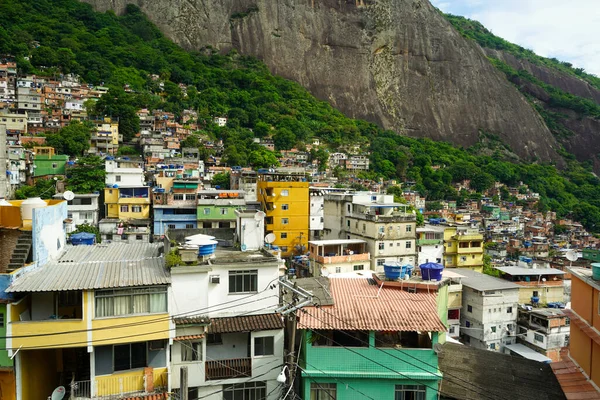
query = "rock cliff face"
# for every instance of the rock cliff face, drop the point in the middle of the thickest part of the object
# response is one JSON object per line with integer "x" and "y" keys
{"x": 397, "y": 63}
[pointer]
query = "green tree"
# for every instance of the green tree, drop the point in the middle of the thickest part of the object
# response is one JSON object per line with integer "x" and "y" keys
{"x": 44, "y": 188}
{"x": 222, "y": 180}
{"x": 87, "y": 175}
{"x": 128, "y": 151}
{"x": 72, "y": 140}
{"x": 284, "y": 139}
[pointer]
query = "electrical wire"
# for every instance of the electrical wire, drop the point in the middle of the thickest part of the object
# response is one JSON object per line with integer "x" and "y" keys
{"x": 333, "y": 377}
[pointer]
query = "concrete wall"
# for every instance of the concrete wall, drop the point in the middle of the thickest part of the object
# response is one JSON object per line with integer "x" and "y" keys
{"x": 48, "y": 231}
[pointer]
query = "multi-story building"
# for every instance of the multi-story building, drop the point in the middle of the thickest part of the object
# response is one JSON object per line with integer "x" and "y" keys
{"x": 463, "y": 248}
{"x": 105, "y": 139}
{"x": 338, "y": 256}
{"x": 388, "y": 228}
{"x": 124, "y": 172}
{"x": 544, "y": 330}
{"x": 488, "y": 317}
{"x": 127, "y": 215}
{"x": 216, "y": 208}
{"x": 83, "y": 209}
{"x": 16, "y": 126}
{"x": 584, "y": 315}
{"x": 244, "y": 180}
{"x": 95, "y": 321}
{"x": 284, "y": 197}
{"x": 29, "y": 100}
{"x": 316, "y": 213}
{"x": 233, "y": 351}
{"x": 396, "y": 346}
{"x": 536, "y": 285}
{"x": 430, "y": 244}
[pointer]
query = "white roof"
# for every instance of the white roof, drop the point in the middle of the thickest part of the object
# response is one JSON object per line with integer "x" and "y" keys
{"x": 336, "y": 241}
{"x": 530, "y": 271}
{"x": 528, "y": 353}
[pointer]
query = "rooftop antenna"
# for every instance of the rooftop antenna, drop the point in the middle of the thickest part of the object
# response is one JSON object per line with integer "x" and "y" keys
{"x": 270, "y": 238}
{"x": 68, "y": 195}
{"x": 58, "y": 393}
{"x": 571, "y": 256}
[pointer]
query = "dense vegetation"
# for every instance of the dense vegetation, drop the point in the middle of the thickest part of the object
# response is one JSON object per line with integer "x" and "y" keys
{"x": 67, "y": 36}
{"x": 476, "y": 31}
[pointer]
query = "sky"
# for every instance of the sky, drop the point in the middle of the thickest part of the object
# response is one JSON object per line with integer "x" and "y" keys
{"x": 568, "y": 30}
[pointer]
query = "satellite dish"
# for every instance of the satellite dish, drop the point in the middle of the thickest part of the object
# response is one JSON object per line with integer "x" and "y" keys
{"x": 437, "y": 348}
{"x": 68, "y": 195}
{"x": 270, "y": 238}
{"x": 59, "y": 393}
{"x": 572, "y": 255}
{"x": 259, "y": 216}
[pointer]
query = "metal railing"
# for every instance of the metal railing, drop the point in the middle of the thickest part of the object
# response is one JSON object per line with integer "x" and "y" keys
{"x": 225, "y": 369}
{"x": 112, "y": 388}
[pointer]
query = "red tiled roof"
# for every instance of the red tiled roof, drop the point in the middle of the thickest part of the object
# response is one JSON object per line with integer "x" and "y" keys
{"x": 573, "y": 382}
{"x": 187, "y": 337}
{"x": 247, "y": 323}
{"x": 360, "y": 305}
{"x": 193, "y": 320}
{"x": 153, "y": 396}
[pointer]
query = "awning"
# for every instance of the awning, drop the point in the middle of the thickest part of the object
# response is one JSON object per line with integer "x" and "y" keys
{"x": 528, "y": 353}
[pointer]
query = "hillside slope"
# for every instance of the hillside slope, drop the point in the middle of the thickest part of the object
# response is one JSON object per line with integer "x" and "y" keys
{"x": 399, "y": 64}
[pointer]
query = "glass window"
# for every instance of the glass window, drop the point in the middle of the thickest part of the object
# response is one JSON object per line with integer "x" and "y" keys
{"x": 191, "y": 351}
{"x": 359, "y": 267}
{"x": 408, "y": 245}
{"x": 214, "y": 338}
{"x": 118, "y": 178}
{"x": 124, "y": 208}
{"x": 381, "y": 246}
{"x": 410, "y": 392}
{"x": 469, "y": 308}
{"x": 493, "y": 329}
{"x": 509, "y": 310}
{"x": 171, "y": 226}
{"x": 243, "y": 281}
{"x": 129, "y": 356}
{"x": 223, "y": 211}
{"x": 284, "y": 221}
{"x": 381, "y": 261}
{"x": 1, "y": 320}
{"x": 538, "y": 338}
{"x": 206, "y": 211}
{"x": 323, "y": 391}
{"x": 136, "y": 209}
{"x": 111, "y": 303}
{"x": 178, "y": 196}
{"x": 189, "y": 226}
{"x": 285, "y": 192}
{"x": 264, "y": 346}
{"x": 245, "y": 391}
{"x": 284, "y": 235}
{"x": 408, "y": 228}
{"x": 285, "y": 207}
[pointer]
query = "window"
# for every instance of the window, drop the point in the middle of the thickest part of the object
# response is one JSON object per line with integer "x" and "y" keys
{"x": 323, "y": 391}
{"x": 284, "y": 249}
{"x": 191, "y": 351}
{"x": 263, "y": 346}
{"x": 509, "y": 310}
{"x": 129, "y": 356}
{"x": 285, "y": 207}
{"x": 245, "y": 391}
{"x": 535, "y": 293}
{"x": 206, "y": 211}
{"x": 469, "y": 308}
{"x": 348, "y": 223}
{"x": 492, "y": 346}
{"x": 338, "y": 270}
{"x": 381, "y": 229}
{"x": 136, "y": 209}
{"x": 207, "y": 225}
{"x": 118, "y": 178}
{"x": 285, "y": 192}
{"x": 538, "y": 338}
{"x": 54, "y": 165}
{"x": 223, "y": 211}
{"x": 381, "y": 246}
{"x": 493, "y": 329}
{"x": 189, "y": 226}
{"x": 111, "y": 303}
{"x": 408, "y": 245}
{"x": 178, "y": 196}
{"x": 214, "y": 338}
{"x": 381, "y": 261}
{"x": 467, "y": 324}
{"x": 410, "y": 392}
{"x": 171, "y": 226}
{"x": 408, "y": 228}
{"x": 359, "y": 267}
{"x": 124, "y": 208}
{"x": 109, "y": 236}
{"x": 139, "y": 237}
{"x": 284, "y": 221}
{"x": 284, "y": 235}
{"x": 243, "y": 281}
{"x": 1, "y": 320}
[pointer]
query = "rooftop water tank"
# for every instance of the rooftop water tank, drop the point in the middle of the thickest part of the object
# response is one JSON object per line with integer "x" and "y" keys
{"x": 83, "y": 238}
{"x": 207, "y": 248}
{"x": 392, "y": 270}
{"x": 596, "y": 271}
{"x": 28, "y": 205}
{"x": 431, "y": 271}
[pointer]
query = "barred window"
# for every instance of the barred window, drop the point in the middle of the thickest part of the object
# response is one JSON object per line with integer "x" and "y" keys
{"x": 323, "y": 391}
{"x": 243, "y": 281}
{"x": 146, "y": 300}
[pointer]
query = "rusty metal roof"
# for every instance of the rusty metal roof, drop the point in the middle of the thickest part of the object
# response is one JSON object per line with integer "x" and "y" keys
{"x": 246, "y": 323}
{"x": 360, "y": 305}
{"x": 97, "y": 267}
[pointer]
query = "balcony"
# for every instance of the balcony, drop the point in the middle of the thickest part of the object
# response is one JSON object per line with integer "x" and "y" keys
{"x": 228, "y": 369}
{"x": 342, "y": 259}
{"x": 393, "y": 217}
{"x": 117, "y": 387}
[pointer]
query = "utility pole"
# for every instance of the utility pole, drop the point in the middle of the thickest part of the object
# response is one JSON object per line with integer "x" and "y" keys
{"x": 183, "y": 379}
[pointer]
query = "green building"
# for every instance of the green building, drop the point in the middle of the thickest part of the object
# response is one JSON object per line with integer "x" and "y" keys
{"x": 591, "y": 254}
{"x": 373, "y": 340}
{"x": 216, "y": 208}
{"x": 49, "y": 164}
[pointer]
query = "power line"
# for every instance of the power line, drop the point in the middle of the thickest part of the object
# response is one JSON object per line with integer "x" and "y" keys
{"x": 342, "y": 382}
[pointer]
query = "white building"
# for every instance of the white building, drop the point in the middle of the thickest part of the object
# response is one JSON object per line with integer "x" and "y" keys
{"x": 227, "y": 332}
{"x": 83, "y": 209}
{"x": 430, "y": 244}
{"x": 544, "y": 330}
{"x": 488, "y": 318}
{"x": 317, "y": 213}
{"x": 124, "y": 172}
{"x": 337, "y": 256}
{"x": 220, "y": 121}
{"x": 387, "y": 227}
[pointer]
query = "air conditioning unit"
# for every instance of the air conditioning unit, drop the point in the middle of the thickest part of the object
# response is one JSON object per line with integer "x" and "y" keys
{"x": 215, "y": 279}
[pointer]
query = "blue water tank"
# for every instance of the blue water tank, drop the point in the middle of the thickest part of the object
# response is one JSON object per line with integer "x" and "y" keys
{"x": 83, "y": 238}
{"x": 207, "y": 248}
{"x": 535, "y": 299}
{"x": 115, "y": 186}
{"x": 431, "y": 271}
{"x": 392, "y": 271}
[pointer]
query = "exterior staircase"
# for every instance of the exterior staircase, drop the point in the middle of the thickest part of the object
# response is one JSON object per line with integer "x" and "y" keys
{"x": 21, "y": 251}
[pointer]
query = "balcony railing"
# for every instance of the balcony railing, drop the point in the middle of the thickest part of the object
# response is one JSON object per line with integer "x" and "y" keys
{"x": 343, "y": 258}
{"x": 227, "y": 369}
{"x": 111, "y": 388}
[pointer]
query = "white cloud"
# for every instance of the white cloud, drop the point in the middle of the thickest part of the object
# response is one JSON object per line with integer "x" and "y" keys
{"x": 567, "y": 30}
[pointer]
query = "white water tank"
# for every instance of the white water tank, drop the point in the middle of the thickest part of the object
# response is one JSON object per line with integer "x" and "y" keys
{"x": 28, "y": 205}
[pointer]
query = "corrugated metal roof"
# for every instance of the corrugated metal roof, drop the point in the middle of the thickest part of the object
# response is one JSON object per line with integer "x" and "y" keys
{"x": 246, "y": 323}
{"x": 530, "y": 271}
{"x": 97, "y": 267}
{"x": 359, "y": 305}
{"x": 482, "y": 282}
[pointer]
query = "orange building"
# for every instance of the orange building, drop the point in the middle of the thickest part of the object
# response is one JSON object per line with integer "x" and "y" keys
{"x": 584, "y": 343}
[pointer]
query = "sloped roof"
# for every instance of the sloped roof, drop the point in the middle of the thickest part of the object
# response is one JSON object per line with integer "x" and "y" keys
{"x": 246, "y": 323}
{"x": 192, "y": 320}
{"x": 360, "y": 305}
{"x": 473, "y": 374}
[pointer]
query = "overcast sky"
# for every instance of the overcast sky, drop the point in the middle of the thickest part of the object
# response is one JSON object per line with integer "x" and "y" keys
{"x": 566, "y": 29}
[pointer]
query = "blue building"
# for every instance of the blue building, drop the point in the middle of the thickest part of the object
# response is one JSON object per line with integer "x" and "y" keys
{"x": 174, "y": 217}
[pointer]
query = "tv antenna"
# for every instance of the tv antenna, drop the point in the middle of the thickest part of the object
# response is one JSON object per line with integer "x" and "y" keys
{"x": 571, "y": 256}
{"x": 68, "y": 195}
{"x": 270, "y": 238}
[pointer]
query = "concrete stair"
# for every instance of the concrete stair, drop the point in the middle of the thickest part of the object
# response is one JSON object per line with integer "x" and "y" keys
{"x": 21, "y": 251}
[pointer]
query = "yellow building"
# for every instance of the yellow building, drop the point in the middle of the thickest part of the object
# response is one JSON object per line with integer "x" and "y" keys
{"x": 106, "y": 137}
{"x": 96, "y": 320}
{"x": 127, "y": 203}
{"x": 463, "y": 248}
{"x": 284, "y": 197}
